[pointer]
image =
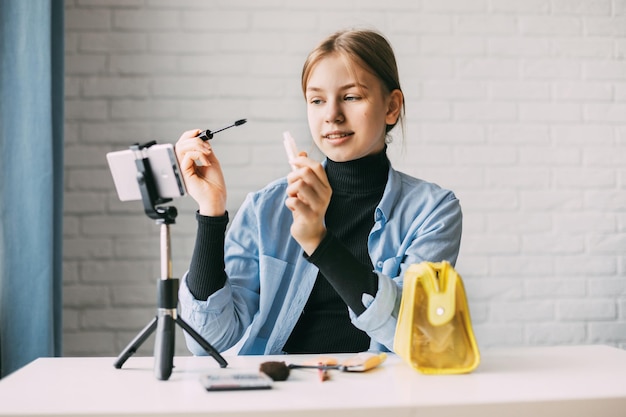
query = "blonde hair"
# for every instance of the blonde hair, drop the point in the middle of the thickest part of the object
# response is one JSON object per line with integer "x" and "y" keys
{"x": 363, "y": 47}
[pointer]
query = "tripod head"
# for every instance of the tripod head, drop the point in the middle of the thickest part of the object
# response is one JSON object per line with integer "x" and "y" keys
{"x": 152, "y": 201}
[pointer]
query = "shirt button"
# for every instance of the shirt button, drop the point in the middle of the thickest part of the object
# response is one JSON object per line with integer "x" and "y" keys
{"x": 379, "y": 264}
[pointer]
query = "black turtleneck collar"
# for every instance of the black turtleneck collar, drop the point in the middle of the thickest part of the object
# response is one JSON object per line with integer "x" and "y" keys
{"x": 360, "y": 175}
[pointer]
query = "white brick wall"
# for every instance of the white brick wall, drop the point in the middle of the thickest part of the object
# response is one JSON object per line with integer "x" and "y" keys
{"x": 519, "y": 106}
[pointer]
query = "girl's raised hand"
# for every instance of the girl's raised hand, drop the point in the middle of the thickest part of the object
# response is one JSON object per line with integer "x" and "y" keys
{"x": 308, "y": 197}
{"x": 202, "y": 172}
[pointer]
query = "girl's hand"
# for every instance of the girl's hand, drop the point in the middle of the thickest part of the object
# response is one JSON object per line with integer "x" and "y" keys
{"x": 308, "y": 196}
{"x": 202, "y": 173}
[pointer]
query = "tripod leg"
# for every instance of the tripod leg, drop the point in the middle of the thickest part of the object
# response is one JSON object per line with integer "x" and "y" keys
{"x": 164, "y": 346}
{"x": 135, "y": 343}
{"x": 205, "y": 345}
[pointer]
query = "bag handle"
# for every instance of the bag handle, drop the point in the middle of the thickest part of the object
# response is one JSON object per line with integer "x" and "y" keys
{"x": 439, "y": 280}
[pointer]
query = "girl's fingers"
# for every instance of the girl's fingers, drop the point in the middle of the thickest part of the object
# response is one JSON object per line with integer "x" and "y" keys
{"x": 308, "y": 186}
{"x": 302, "y": 161}
{"x": 189, "y": 134}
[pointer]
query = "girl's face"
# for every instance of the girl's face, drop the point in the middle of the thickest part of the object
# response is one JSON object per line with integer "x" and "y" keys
{"x": 348, "y": 110}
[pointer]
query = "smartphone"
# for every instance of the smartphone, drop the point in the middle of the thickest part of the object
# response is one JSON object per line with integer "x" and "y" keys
{"x": 229, "y": 381}
{"x": 164, "y": 166}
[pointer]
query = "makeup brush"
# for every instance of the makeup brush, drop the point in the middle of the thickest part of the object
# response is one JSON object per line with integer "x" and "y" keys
{"x": 364, "y": 361}
{"x": 278, "y": 371}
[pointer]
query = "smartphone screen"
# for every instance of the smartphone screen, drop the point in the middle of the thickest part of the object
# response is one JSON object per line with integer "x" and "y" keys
{"x": 165, "y": 170}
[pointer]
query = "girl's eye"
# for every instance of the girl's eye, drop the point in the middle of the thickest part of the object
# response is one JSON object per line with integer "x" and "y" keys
{"x": 352, "y": 98}
{"x": 315, "y": 101}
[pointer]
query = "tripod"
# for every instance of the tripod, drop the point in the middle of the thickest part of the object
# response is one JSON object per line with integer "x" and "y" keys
{"x": 167, "y": 290}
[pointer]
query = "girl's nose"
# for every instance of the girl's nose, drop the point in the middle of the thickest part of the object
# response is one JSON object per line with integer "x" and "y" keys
{"x": 334, "y": 113}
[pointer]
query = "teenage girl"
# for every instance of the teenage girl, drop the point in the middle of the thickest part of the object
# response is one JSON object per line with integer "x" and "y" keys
{"x": 314, "y": 262}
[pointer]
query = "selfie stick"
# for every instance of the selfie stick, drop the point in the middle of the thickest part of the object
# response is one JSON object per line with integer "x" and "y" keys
{"x": 167, "y": 295}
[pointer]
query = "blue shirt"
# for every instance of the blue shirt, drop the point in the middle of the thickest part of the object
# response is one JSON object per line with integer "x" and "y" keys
{"x": 269, "y": 281}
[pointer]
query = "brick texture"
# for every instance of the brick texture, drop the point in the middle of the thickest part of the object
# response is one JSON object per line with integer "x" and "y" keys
{"x": 517, "y": 106}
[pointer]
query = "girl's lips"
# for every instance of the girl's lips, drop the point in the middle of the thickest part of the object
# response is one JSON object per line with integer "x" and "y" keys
{"x": 336, "y": 135}
{"x": 337, "y": 138}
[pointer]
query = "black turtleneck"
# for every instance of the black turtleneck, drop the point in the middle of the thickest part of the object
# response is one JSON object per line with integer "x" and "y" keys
{"x": 346, "y": 271}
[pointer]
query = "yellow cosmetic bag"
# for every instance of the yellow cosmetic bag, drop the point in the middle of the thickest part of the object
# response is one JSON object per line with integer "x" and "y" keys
{"x": 434, "y": 332}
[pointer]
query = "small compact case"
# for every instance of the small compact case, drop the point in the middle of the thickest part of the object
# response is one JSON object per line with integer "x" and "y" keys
{"x": 434, "y": 332}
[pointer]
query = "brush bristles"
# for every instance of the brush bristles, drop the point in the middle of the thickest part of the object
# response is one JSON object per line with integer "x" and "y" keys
{"x": 278, "y": 371}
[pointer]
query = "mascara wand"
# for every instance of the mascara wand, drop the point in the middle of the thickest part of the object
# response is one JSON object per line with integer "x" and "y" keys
{"x": 208, "y": 135}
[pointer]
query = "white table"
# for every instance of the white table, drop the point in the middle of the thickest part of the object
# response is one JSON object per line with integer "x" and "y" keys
{"x": 541, "y": 381}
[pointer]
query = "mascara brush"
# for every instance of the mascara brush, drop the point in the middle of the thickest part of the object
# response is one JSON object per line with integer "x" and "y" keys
{"x": 208, "y": 135}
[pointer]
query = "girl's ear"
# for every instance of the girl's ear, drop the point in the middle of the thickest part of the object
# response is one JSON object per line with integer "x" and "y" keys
{"x": 394, "y": 108}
